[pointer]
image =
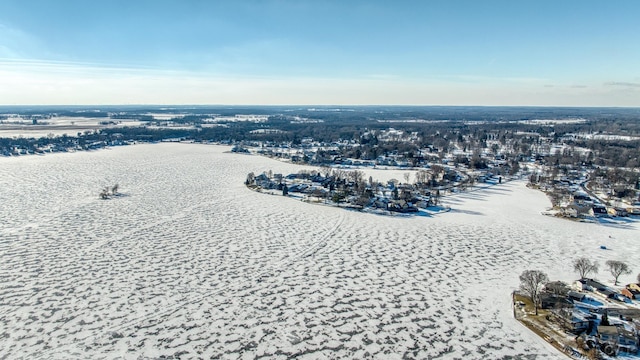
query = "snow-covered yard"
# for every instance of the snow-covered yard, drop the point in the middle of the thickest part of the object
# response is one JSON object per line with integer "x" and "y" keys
{"x": 191, "y": 262}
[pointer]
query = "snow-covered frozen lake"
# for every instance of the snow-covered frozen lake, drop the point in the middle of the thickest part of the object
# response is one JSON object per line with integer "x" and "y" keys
{"x": 190, "y": 263}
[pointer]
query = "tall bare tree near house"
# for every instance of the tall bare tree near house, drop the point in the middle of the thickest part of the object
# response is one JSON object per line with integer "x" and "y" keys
{"x": 358, "y": 176}
{"x": 436, "y": 172}
{"x": 435, "y": 198}
{"x": 421, "y": 176}
{"x": 617, "y": 268}
{"x": 584, "y": 267}
{"x": 339, "y": 174}
{"x": 531, "y": 283}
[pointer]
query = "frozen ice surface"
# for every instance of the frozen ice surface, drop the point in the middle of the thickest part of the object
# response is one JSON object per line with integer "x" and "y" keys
{"x": 190, "y": 263}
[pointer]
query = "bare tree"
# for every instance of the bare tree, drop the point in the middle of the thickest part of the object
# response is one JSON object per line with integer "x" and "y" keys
{"x": 339, "y": 174}
{"x": 617, "y": 268}
{"x": 437, "y": 170}
{"x": 436, "y": 197}
{"x": 422, "y": 176}
{"x": 407, "y": 177}
{"x": 638, "y": 278}
{"x": 317, "y": 193}
{"x": 325, "y": 171}
{"x": 104, "y": 194}
{"x": 472, "y": 180}
{"x": 109, "y": 191}
{"x": 362, "y": 201}
{"x": 357, "y": 176}
{"x": 584, "y": 267}
{"x": 531, "y": 282}
{"x": 250, "y": 178}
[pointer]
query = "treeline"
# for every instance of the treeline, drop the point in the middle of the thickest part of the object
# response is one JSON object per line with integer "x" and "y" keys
{"x": 358, "y": 131}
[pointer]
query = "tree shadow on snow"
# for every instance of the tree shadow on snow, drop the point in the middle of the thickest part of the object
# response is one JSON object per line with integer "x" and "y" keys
{"x": 619, "y": 224}
{"x": 468, "y": 212}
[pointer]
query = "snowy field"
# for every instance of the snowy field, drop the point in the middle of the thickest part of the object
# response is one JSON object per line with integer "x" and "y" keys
{"x": 189, "y": 263}
{"x": 58, "y": 126}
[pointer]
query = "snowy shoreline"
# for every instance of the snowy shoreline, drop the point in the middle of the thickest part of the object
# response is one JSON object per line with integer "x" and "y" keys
{"x": 430, "y": 211}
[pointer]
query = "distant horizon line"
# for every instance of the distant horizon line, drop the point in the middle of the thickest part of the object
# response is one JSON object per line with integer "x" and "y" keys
{"x": 315, "y": 105}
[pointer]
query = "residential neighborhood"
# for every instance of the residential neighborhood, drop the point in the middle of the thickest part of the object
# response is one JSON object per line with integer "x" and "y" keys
{"x": 586, "y": 318}
{"x": 585, "y": 160}
{"x": 349, "y": 189}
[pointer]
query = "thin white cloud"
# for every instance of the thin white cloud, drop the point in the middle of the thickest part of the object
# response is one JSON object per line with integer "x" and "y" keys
{"x": 382, "y": 76}
{"x": 623, "y": 84}
{"x": 50, "y": 82}
{"x": 69, "y": 67}
{"x": 497, "y": 79}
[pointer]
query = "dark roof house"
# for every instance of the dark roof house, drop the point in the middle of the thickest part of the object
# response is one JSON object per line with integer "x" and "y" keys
{"x": 614, "y": 339}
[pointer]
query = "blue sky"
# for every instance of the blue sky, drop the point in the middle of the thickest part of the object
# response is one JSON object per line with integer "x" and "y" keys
{"x": 575, "y": 53}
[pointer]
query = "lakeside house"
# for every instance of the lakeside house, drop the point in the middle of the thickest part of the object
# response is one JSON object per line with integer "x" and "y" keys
{"x": 617, "y": 339}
